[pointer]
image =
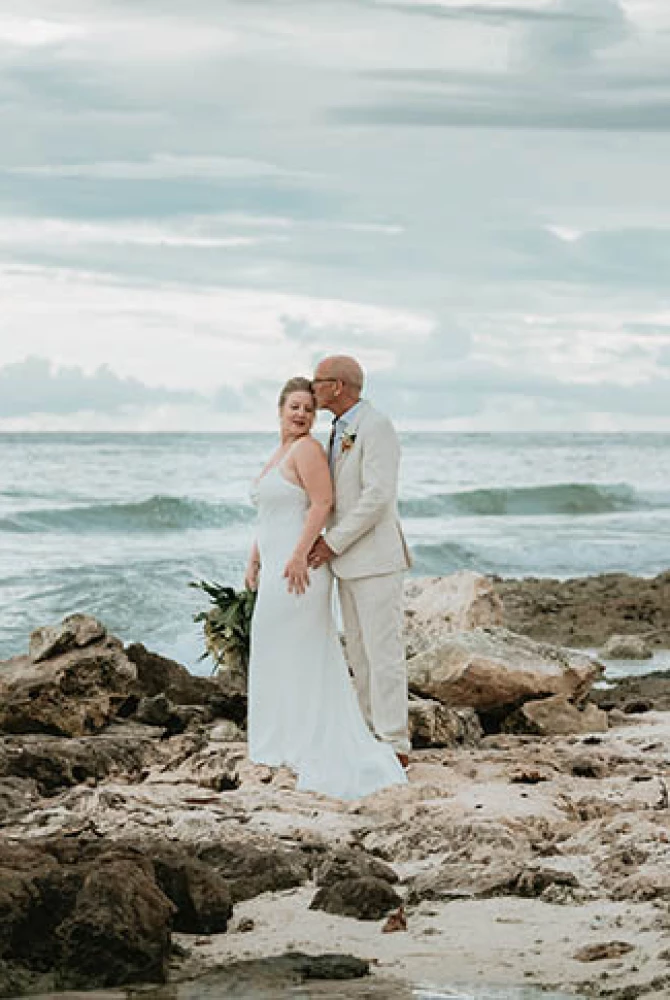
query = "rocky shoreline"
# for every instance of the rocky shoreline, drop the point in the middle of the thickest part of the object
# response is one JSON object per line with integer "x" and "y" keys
{"x": 531, "y": 847}
{"x": 585, "y": 612}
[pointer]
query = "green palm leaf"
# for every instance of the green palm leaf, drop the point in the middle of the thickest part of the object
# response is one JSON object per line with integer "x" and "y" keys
{"x": 226, "y": 625}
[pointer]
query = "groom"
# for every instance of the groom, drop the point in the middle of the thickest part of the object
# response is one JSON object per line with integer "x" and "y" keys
{"x": 366, "y": 548}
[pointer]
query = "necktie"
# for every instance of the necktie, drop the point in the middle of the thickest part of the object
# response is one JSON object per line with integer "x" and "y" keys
{"x": 331, "y": 440}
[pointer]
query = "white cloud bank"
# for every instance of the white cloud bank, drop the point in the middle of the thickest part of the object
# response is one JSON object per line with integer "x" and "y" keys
{"x": 471, "y": 196}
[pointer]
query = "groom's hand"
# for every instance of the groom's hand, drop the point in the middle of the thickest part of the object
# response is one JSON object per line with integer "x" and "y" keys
{"x": 320, "y": 553}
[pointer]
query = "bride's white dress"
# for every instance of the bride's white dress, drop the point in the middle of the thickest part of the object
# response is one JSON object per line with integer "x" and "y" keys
{"x": 303, "y": 710}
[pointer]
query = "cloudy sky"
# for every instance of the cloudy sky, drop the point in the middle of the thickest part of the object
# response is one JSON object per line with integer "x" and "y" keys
{"x": 197, "y": 200}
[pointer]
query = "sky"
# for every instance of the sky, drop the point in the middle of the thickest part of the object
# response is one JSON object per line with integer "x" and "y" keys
{"x": 199, "y": 200}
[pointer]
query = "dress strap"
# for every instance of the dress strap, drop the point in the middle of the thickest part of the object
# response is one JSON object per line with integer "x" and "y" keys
{"x": 281, "y": 461}
{"x": 282, "y": 472}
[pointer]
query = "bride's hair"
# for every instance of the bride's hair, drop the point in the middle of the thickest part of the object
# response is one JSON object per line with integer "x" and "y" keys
{"x": 296, "y": 384}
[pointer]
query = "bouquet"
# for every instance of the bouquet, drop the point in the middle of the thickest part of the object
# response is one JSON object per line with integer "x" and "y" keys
{"x": 227, "y": 626}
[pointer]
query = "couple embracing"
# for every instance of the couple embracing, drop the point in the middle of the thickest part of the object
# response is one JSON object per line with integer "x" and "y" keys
{"x": 322, "y": 515}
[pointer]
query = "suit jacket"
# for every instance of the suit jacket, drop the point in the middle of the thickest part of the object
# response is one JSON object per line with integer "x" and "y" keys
{"x": 364, "y": 528}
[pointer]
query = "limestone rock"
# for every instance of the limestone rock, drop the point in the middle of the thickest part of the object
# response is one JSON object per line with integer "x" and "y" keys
{"x": 465, "y": 879}
{"x": 226, "y": 732}
{"x": 74, "y": 632}
{"x": 201, "y": 896}
{"x": 158, "y": 675}
{"x": 540, "y": 878}
{"x": 214, "y": 767}
{"x": 556, "y": 716}
{"x": 69, "y": 694}
{"x": 77, "y": 679}
{"x": 349, "y": 864}
{"x": 627, "y": 693}
{"x": 156, "y": 711}
{"x": 438, "y": 606}
{"x": 16, "y": 796}
{"x": 101, "y": 917}
{"x": 366, "y": 898}
{"x": 119, "y": 931}
{"x": 53, "y": 764}
{"x": 272, "y": 977}
{"x": 626, "y": 647}
{"x": 587, "y": 610}
{"x": 602, "y": 951}
{"x": 491, "y": 669}
{"x": 432, "y": 724}
{"x": 253, "y": 866}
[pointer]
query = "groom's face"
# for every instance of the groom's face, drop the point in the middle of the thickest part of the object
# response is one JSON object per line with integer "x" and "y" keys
{"x": 324, "y": 386}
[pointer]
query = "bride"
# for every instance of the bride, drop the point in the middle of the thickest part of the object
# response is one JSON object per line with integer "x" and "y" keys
{"x": 303, "y": 710}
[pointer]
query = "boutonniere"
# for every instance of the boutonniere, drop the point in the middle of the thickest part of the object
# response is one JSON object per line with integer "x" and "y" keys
{"x": 347, "y": 442}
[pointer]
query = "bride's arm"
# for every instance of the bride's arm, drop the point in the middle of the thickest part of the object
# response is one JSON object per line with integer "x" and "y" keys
{"x": 253, "y": 568}
{"x": 311, "y": 468}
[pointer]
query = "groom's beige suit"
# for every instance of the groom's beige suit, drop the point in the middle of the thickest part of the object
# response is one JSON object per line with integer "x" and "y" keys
{"x": 371, "y": 557}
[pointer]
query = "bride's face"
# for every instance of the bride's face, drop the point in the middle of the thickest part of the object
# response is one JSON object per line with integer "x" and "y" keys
{"x": 297, "y": 414}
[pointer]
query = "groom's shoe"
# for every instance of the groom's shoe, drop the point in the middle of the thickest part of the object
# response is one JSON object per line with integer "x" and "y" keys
{"x": 403, "y": 759}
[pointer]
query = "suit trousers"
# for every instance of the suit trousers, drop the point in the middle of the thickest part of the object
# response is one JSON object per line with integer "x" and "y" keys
{"x": 372, "y": 615}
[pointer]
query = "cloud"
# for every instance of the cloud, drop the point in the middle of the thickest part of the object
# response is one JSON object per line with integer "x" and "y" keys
{"x": 181, "y": 335}
{"x": 509, "y": 108}
{"x": 31, "y": 232}
{"x": 35, "y": 32}
{"x": 205, "y": 199}
{"x": 500, "y": 12}
{"x": 37, "y": 386}
{"x": 161, "y": 167}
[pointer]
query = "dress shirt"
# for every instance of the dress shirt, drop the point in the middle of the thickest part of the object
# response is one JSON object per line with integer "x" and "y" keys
{"x": 340, "y": 425}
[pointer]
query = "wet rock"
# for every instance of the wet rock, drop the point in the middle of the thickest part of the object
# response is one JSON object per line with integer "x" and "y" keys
{"x": 199, "y": 893}
{"x": 438, "y": 606}
{"x": 155, "y": 711}
{"x": 493, "y": 669}
{"x": 556, "y": 716}
{"x": 432, "y": 724}
{"x": 20, "y": 868}
{"x": 16, "y": 796}
{"x": 366, "y": 898}
{"x": 267, "y": 976}
{"x": 327, "y": 966}
{"x": 54, "y": 764}
{"x": 96, "y": 914}
{"x": 17, "y": 981}
{"x": 158, "y": 675}
{"x": 600, "y": 952}
{"x": 535, "y": 880}
{"x": 119, "y": 931}
{"x": 626, "y": 647}
{"x": 71, "y": 694}
{"x": 460, "y": 879}
{"x": 77, "y": 679}
{"x": 213, "y": 697}
{"x": 74, "y": 632}
{"x": 586, "y": 766}
{"x": 651, "y": 690}
{"x": 350, "y": 864}
{"x": 251, "y": 868}
{"x": 587, "y": 611}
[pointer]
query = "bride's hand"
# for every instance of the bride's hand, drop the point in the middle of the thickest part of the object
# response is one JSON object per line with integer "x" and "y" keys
{"x": 296, "y": 572}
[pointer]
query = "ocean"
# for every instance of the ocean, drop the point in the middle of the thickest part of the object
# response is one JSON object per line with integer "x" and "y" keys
{"x": 118, "y": 525}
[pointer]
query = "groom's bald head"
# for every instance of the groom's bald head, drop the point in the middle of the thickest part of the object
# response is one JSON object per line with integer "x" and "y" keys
{"x": 338, "y": 382}
{"x": 345, "y": 368}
